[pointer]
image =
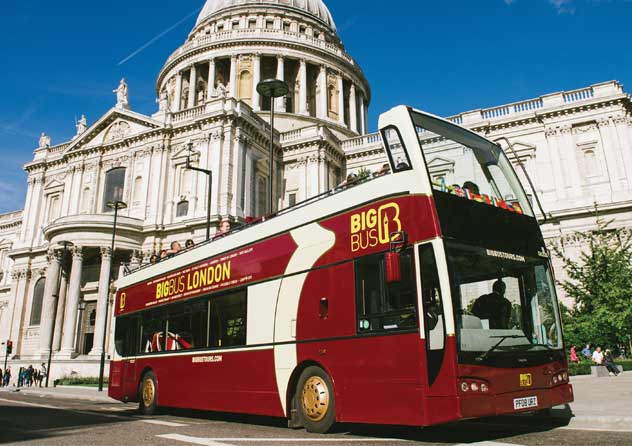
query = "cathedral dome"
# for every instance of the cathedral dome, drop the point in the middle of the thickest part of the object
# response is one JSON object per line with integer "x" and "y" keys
{"x": 315, "y": 8}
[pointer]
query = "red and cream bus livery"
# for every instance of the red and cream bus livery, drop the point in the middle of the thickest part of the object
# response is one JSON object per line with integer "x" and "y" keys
{"x": 418, "y": 297}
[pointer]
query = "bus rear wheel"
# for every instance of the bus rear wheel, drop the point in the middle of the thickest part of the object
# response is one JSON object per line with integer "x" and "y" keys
{"x": 148, "y": 394}
{"x": 315, "y": 400}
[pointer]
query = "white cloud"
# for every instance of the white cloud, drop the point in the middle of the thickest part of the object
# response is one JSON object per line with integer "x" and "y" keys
{"x": 562, "y": 6}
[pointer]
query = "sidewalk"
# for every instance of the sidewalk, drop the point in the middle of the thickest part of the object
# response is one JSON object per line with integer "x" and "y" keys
{"x": 66, "y": 392}
{"x": 602, "y": 403}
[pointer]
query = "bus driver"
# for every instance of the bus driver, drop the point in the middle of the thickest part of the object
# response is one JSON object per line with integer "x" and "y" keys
{"x": 494, "y": 307}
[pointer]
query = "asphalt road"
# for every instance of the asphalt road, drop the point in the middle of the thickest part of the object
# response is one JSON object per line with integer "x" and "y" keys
{"x": 35, "y": 420}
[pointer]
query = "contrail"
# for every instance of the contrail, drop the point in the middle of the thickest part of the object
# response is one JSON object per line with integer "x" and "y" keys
{"x": 145, "y": 46}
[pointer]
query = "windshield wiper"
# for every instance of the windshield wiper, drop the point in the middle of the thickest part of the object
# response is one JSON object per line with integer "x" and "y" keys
{"x": 502, "y": 339}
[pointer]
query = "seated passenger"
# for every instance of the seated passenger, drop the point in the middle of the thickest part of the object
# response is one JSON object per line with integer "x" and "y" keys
{"x": 385, "y": 170}
{"x": 401, "y": 165}
{"x": 494, "y": 307}
{"x": 224, "y": 229}
{"x": 176, "y": 247}
{"x": 154, "y": 259}
{"x": 472, "y": 187}
{"x": 189, "y": 244}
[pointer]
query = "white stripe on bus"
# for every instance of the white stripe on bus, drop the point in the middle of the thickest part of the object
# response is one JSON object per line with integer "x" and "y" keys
{"x": 203, "y": 441}
{"x": 312, "y": 242}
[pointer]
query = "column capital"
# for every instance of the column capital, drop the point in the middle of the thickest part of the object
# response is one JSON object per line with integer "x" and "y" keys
{"x": 54, "y": 255}
{"x": 77, "y": 252}
{"x": 106, "y": 252}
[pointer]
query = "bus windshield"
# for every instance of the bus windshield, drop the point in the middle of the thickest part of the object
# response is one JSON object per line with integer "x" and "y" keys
{"x": 503, "y": 301}
{"x": 469, "y": 166}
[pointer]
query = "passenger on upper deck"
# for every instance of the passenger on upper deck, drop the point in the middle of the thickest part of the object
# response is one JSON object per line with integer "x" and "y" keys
{"x": 224, "y": 229}
{"x": 385, "y": 170}
{"x": 472, "y": 187}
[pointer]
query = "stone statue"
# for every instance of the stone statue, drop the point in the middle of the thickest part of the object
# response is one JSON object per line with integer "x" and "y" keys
{"x": 44, "y": 141}
{"x": 220, "y": 90}
{"x": 82, "y": 125}
{"x": 200, "y": 97}
{"x": 122, "y": 95}
{"x": 163, "y": 101}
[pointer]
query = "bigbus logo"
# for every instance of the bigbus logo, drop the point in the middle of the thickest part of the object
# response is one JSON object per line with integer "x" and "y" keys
{"x": 373, "y": 227}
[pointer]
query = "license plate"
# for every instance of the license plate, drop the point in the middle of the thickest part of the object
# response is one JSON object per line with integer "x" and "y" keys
{"x": 525, "y": 403}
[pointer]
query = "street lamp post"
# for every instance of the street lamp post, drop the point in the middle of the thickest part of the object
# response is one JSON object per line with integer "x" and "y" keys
{"x": 56, "y": 298}
{"x": 210, "y": 188}
{"x": 116, "y": 205}
{"x": 272, "y": 88}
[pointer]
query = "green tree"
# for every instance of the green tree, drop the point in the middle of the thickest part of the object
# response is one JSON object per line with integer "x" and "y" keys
{"x": 600, "y": 283}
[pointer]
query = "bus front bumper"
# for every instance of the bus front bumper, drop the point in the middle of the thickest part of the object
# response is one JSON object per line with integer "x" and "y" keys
{"x": 484, "y": 405}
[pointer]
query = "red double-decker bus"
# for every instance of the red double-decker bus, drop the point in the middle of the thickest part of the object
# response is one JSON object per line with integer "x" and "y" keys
{"x": 414, "y": 298}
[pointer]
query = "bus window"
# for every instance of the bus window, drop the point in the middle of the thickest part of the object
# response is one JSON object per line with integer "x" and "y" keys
{"x": 126, "y": 336}
{"x": 187, "y": 326}
{"x": 153, "y": 333}
{"x": 228, "y": 320}
{"x": 396, "y": 149}
{"x": 383, "y": 306}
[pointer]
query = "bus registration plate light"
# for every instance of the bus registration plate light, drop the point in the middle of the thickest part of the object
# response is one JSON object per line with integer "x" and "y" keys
{"x": 525, "y": 403}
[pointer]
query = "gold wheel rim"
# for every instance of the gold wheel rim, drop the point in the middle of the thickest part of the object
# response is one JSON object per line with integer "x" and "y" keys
{"x": 315, "y": 398}
{"x": 149, "y": 392}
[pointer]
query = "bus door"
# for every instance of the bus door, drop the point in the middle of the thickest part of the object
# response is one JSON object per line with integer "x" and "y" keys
{"x": 440, "y": 403}
{"x": 131, "y": 346}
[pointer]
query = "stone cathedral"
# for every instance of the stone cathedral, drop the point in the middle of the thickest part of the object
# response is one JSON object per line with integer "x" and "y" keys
{"x": 55, "y": 254}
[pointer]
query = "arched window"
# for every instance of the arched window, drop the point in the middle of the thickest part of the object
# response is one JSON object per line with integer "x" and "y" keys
{"x": 38, "y": 298}
{"x": 332, "y": 96}
{"x": 138, "y": 191}
{"x": 182, "y": 210}
{"x": 590, "y": 161}
{"x": 114, "y": 185}
{"x": 85, "y": 201}
{"x": 54, "y": 210}
{"x": 245, "y": 87}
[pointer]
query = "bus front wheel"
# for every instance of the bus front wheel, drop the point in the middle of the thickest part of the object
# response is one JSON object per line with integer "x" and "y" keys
{"x": 315, "y": 400}
{"x": 148, "y": 394}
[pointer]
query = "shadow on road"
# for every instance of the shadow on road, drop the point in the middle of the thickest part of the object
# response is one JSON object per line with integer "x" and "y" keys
{"x": 28, "y": 423}
{"x": 486, "y": 429}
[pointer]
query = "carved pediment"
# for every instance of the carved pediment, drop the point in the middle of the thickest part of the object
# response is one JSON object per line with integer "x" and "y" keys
{"x": 115, "y": 126}
{"x": 54, "y": 183}
{"x": 440, "y": 165}
{"x": 522, "y": 150}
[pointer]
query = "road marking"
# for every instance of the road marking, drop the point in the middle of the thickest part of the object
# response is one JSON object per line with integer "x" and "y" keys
{"x": 488, "y": 443}
{"x": 164, "y": 423}
{"x": 24, "y": 403}
{"x": 220, "y": 441}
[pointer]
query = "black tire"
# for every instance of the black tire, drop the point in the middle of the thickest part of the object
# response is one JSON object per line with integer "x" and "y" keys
{"x": 148, "y": 394}
{"x": 315, "y": 401}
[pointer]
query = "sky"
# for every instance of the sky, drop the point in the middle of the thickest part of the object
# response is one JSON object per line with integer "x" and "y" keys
{"x": 62, "y": 59}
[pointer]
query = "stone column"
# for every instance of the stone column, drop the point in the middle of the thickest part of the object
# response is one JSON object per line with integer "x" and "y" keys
{"x": 341, "y": 100}
{"x": 211, "y": 79}
{"x": 61, "y": 307}
{"x": 178, "y": 98}
{"x": 74, "y": 295}
{"x": 280, "y": 104}
{"x": 302, "y": 106}
{"x": 103, "y": 296}
{"x": 256, "y": 78}
{"x": 49, "y": 307}
{"x": 353, "y": 109}
{"x": 192, "y": 86}
{"x": 233, "y": 77}
{"x": 19, "y": 287}
{"x": 362, "y": 112}
{"x": 321, "y": 100}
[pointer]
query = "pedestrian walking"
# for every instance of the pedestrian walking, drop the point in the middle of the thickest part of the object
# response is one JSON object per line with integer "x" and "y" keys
{"x": 7, "y": 377}
{"x": 608, "y": 361}
{"x": 574, "y": 357}
{"x": 21, "y": 374}
{"x": 43, "y": 374}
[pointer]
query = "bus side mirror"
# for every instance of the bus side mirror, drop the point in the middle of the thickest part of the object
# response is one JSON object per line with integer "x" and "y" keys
{"x": 393, "y": 267}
